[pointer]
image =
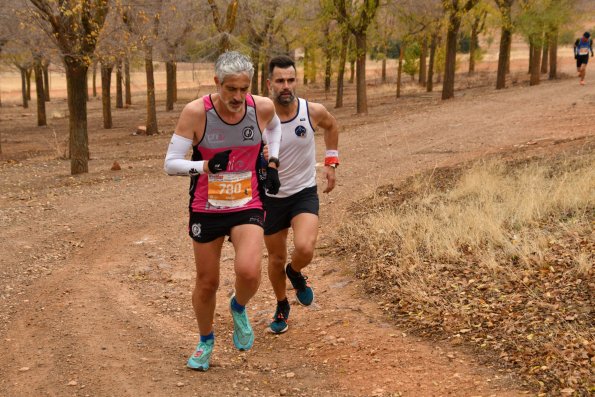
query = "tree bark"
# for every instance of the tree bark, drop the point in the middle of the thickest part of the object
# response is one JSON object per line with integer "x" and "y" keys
{"x": 473, "y": 44}
{"x": 553, "y": 52}
{"x": 255, "y": 57}
{"x": 264, "y": 75}
{"x": 503, "y": 57}
{"x": 24, "y": 87}
{"x": 433, "y": 44}
{"x": 119, "y": 99}
{"x": 545, "y": 55}
{"x": 341, "y": 70}
{"x": 106, "y": 100}
{"x": 46, "y": 79}
{"x": 362, "y": 99}
{"x": 175, "y": 81}
{"x": 76, "y": 77}
{"x": 531, "y": 54}
{"x": 422, "y": 63}
{"x": 94, "y": 79}
{"x": 306, "y": 65}
{"x": 448, "y": 86}
{"x": 28, "y": 72}
{"x": 169, "y": 72}
{"x": 127, "y": 91}
{"x": 400, "y": 72}
{"x": 327, "y": 62}
{"x": 41, "y": 119}
{"x": 535, "y": 66}
{"x": 151, "y": 108}
{"x": 351, "y": 71}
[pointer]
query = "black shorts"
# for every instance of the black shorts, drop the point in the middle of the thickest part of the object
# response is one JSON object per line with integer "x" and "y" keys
{"x": 280, "y": 211}
{"x": 582, "y": 60}
{"x": 206, "y": 227}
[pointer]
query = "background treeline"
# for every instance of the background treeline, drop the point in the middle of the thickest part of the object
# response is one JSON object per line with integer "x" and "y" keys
{"x": 330, "y": 39}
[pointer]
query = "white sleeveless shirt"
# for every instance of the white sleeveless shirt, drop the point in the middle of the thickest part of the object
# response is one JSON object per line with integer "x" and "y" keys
{"x": 297, "y": 153}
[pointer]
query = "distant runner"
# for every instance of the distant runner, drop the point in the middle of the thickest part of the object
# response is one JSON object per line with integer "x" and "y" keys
{"x": 296, "y": 205}
{"x": 582, "y": 47}
{"x": 225, "y": 132}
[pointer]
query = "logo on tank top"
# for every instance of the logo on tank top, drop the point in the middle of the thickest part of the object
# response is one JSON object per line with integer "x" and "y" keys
{"x": 300, "y": 131}
{"x": 248, "y": 133}
{"x": 215, "y": 136}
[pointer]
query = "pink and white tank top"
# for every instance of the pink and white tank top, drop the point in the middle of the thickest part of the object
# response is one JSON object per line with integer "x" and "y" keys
{"x": 240, "y": 186}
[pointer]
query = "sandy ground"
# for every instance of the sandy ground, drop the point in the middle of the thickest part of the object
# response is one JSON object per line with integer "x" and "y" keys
{"x": 96, "y": 270}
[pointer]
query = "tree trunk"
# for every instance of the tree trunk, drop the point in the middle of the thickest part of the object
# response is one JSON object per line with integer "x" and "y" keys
{"x": 264, "y": 75}
{"x": 362, "y": 98}
{"x": 151, "y": 108}
{"x": 106, "y": 100}
{"x": 402, "y": 49}
{"x": 46, "y": 80}
{"x": 313, "y": 66}
{"x": 41, "y": 119}
{"x": 383, "y": 74}
{"x": 76, "y": 78}
{"x": 341, "y": 71}
{"x": 119, "y": 99}
{"x": 473, "y": 44}
{"x": 531, "y": 53}
{"x": 255, "y": 56}
{"x": 87, "y": 86}
{"x": 422, "y": 63}
{"x": 545, "y": 55}
{"x": 24, "y": 87}
{"x": 175, "y": 77}
{"x": 351, "y": 71}
{"x": 94, "y": 79}
{"x": 433, "y": 44}
{"x": 553, "y": 52}
{"x": 327, "y": 68}
{"x": 306, "y": 65}
{"x": 535, "y": 66}
{"x": 28, "y": 72}
{"x": 127, "y": 91}
{"x": 503, "y": 57}
{"x": 448, "y": 87}
{"x": 169, "y": 73}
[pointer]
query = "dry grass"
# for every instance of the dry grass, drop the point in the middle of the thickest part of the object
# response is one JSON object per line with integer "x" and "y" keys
{"x": 497, "y": 254}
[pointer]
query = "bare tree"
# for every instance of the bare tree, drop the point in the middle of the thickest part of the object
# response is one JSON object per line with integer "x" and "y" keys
{"x": 454, "y": 10}
{"x": 74, "y": 26}
{"x": 225, "y": 26}
{"x": 357, "y": 22}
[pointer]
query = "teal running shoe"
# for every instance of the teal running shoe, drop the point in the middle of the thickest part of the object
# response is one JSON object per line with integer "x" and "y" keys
{"x": 243, "y": 336}
{"x": 200, "y": 359}
{"x": 303, "y": 291}
{"x": 279, "y": 323}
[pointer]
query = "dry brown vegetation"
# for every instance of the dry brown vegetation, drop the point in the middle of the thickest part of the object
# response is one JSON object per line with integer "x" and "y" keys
{"x": 497, "y": 254}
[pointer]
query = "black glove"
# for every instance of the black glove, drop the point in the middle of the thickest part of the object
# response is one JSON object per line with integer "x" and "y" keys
{"x": 272, "y": 182}
{"x": 219, "y": 162}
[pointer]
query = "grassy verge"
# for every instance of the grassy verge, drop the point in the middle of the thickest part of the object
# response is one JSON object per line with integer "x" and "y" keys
{"x": 497, "y": 255}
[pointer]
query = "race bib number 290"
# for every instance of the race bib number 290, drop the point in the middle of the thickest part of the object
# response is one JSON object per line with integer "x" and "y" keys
{"x": 230, "y": 189}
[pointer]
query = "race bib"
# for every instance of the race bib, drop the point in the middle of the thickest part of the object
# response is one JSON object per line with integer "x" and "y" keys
{"x": 230, "y": 189}
{"x": 583, "y": 51}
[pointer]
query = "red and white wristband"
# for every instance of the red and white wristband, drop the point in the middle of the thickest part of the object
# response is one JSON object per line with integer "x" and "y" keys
{"x": 331, "y": 158}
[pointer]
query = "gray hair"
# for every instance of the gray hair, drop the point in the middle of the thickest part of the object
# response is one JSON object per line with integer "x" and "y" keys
{"x": 232, "y": 63}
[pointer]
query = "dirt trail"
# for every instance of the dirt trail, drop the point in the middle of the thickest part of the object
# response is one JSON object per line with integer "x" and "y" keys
{"x": 97, "y": 271}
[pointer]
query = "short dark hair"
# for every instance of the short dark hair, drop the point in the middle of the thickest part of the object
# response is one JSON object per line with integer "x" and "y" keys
{"x": 281, "y": 61}
{"x": 587, "y": 35}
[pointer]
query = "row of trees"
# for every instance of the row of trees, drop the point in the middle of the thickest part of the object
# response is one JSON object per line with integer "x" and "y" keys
{"x": 80, "y": 35}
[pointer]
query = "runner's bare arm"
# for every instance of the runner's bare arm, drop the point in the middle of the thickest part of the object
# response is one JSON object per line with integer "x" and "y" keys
{"x": 189, "y": 130}
{"x": 322, "y": 117}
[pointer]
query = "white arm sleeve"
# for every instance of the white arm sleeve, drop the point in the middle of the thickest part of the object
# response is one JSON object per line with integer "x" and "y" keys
{"x": 273, "y": 136}
{"x": 175, "y": 161}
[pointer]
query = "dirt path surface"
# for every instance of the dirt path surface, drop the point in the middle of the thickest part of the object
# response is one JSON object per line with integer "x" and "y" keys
{"x": 97, "y": 270}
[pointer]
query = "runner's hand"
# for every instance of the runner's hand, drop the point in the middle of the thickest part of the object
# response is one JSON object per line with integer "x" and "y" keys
{"x": 330, "y": 179}
{"x": 272, "y": 182}
{"x": 219, "y": 162}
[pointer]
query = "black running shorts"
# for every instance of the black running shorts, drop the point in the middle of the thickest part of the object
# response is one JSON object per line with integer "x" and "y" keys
{"x": 206, "y": 227}
{"x": 280, "y": 211}
{"x": 582, "y": 59}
